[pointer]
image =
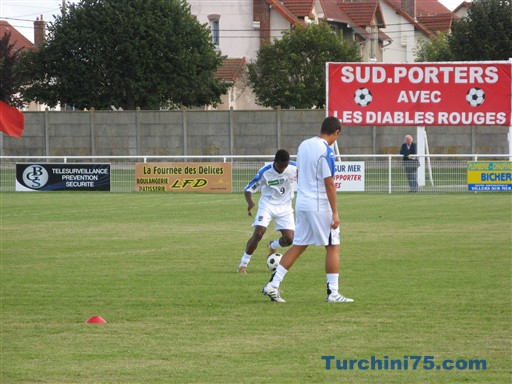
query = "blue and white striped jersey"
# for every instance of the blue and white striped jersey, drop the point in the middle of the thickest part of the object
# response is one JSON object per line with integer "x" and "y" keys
{"x": 276, "y": 188}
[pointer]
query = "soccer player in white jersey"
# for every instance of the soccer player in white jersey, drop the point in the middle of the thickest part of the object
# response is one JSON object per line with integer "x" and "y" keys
{"x": 276, "y": 182}
{"x": 316, "y": 211}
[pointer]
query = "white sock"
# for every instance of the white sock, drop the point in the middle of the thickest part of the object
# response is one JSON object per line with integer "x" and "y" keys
{"x": 278, "y": 276}
{"x": 245, "y": 260}
{"x": 275, "y": 244}
{"x": 332, "y": 283}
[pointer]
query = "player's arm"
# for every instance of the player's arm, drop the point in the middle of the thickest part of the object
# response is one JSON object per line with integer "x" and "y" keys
{"x": 330, "y": 190}
{"x": 250, "y": 203}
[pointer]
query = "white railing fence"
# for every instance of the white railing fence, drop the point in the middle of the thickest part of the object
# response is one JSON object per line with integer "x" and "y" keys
{"x": 383, "y": 173}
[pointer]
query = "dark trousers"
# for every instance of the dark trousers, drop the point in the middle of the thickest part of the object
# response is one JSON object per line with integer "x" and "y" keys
{"x": 412, "y": 176}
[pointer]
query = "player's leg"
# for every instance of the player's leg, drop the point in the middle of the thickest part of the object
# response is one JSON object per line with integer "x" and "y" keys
{"x": 291, "y": 255}
{"x": 251, "y": 246}
{"x": 301, "y": 240}
{"x": 284, "y": 241}
{"x": 332, "y": 259}
{"x": 260, "y": 224}
{"x": 321, "y": 233}
{"x": 285, "y": 224}
{"x": 271, "y": 289}
{"x": 332, "y": 267}
{"x": 256, "y": 237}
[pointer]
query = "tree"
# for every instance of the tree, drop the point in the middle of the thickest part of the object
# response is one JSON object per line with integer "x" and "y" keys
{"x": 485, "y": 34}
{"x": 290, "y": 73}
{"x": 437, "y": 49}
{"x": 124, "y": 53}
{"x": 10, "y": 84}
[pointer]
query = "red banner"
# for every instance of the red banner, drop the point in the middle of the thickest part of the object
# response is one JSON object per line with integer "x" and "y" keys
{"x": 12, "y": 121}
{"x": 419, "y": 94}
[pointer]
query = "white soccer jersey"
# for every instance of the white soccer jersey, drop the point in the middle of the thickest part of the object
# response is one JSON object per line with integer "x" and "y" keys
{"x": 315, "y": 162}
{"x": 276, "y": 188}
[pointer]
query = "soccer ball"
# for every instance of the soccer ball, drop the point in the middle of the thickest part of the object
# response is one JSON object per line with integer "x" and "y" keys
{"x": 363, "y": 97}
{"x": 273, "y": 261}
{"x": 475, "y": 97}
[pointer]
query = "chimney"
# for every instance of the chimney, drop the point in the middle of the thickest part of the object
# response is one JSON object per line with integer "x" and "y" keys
{"x": 261, "y": 19}
{"x": 39, "y": 31}
{"x": 409, "y": 7}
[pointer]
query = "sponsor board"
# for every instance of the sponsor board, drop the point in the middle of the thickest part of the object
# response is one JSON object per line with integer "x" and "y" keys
{"x": 183, "y": 177}
{"x": 62, "y": 177}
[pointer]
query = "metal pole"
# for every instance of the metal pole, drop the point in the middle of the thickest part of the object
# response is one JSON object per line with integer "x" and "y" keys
{"x": 389, "y": 174}
{"x": 510, "y": 143}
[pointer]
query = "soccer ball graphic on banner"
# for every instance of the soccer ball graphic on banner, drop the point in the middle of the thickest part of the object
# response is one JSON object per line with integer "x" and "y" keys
{"x": 475, "y": 97}
{"x": 273, "y": 261}
{"x": 363, "y": 97}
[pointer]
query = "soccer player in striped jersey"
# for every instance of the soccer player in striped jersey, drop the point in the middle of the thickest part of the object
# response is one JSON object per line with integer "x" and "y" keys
{"x": 276, "y": 182}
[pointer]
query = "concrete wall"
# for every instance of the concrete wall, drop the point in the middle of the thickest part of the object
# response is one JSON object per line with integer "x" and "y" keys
{"x": 199, "y": 132}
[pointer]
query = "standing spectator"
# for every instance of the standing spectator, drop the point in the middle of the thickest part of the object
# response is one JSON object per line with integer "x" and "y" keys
{"x": 410, "y": 162}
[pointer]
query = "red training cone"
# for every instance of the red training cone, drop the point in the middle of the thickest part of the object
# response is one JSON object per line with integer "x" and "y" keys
{"x": 96, "y": 320}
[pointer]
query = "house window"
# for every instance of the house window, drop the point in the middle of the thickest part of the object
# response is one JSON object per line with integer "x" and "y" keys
{"x": 215, "y": 28}
{"x": 215, "y": 32}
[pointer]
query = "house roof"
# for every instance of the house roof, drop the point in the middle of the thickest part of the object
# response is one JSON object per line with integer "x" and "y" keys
{"x": 356, "y": 14}
{"x": 20, "y": 42}
{"x": 332, "y": 12}
{"x": 428, "y": 7}
{"x": 431, "y": 16}
{"x": 285, "y": 11}
{"x": 300, "y": 8}
{"x": 231, "y": 69}
{"x": 364, "y": 13}
{"x": 438, "y": 23}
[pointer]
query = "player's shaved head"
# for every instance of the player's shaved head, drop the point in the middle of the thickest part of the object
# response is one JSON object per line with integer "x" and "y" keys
{"x": 282, "y": 155}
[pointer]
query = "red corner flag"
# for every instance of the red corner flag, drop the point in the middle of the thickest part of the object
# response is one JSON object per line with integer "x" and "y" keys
{"x": 12, "y": 121}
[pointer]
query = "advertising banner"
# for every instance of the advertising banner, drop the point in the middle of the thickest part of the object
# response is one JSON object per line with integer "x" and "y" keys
{"x": 183, "y": 177}
{"x": 349, "y": 176}
{"x": 62, "y": 177}
{"x": 419, "y": 94}
{"x": 490, "y": 176}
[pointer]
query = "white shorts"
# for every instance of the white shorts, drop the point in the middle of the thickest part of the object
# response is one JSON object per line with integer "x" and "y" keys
{"x": 282, "y": 216}
{"x": 314, "y": 228}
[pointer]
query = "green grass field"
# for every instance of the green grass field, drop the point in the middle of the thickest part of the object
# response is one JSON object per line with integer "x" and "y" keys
{"x": 431, "y": 276}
